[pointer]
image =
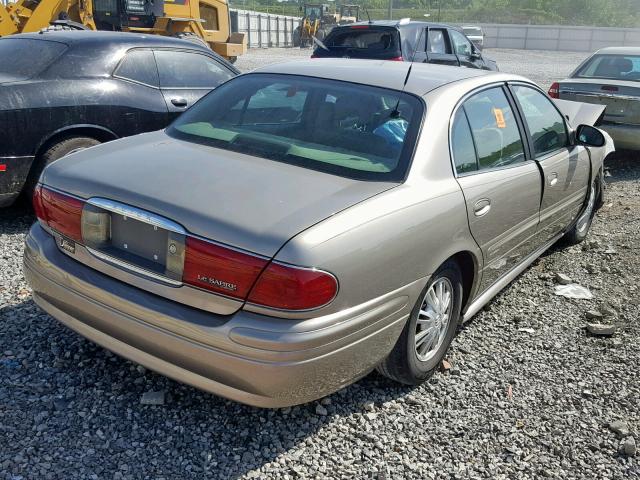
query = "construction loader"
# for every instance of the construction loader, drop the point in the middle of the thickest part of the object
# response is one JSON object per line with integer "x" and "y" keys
{"x": 200, "y": 21}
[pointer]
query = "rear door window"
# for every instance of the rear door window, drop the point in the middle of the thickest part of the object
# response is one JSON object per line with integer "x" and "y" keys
{"x": 180, "y": 69}
{"x": 546, "y": 125}
{"x": 494, "y": 128}
{"x": 22, "y": 58}
{"x": 437, "y": 41}
{"x": 139, "y": 66}
{"x": 462, "y": 147}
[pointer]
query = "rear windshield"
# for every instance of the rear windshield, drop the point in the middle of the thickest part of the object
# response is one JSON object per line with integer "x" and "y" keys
{"x": 22, "y": 58}
{"x": 382, "y": 39}
{"x": 346, "y": 129}
{"x": 614, "y": 67}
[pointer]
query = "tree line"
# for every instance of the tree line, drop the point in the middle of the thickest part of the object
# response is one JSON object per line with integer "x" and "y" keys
{"x": 603, "y": 13}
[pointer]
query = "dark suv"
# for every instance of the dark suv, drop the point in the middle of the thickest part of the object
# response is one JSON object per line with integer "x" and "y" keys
{"x": 64, "y": 91}
{"x": 404, "y": 40}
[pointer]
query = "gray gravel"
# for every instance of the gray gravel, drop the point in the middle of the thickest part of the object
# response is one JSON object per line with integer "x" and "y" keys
{"x": 542, "y": 67}
{"x": 528, "y": 392}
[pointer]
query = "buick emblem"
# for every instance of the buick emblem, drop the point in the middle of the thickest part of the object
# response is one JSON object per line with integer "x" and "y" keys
{"x": 173, "y": 249}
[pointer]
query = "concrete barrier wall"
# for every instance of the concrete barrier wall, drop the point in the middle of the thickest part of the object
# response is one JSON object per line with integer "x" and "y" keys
{"x": 559, "y": 38}
{"x": 265, "y": 30}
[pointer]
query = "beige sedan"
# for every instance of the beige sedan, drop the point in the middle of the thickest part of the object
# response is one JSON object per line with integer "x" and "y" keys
{"x": 309, "y": 222}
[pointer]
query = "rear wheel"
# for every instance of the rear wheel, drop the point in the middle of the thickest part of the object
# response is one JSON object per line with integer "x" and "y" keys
{"x": 430, "y": 329}
{"x": 56, "y": 151}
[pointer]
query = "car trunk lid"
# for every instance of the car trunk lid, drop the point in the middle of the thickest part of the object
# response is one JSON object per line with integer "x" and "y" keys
{"x": 621, "y": 98}
{"x": 157, "y": 192}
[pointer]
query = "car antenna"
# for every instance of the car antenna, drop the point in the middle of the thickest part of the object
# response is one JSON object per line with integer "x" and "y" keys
{"x": 366, "y": 10}
{"x": 396, "y": 112}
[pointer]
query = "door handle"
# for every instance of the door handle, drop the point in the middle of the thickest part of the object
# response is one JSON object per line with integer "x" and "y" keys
{"x": 179, "y": 102}
{"x": 482, "y": 207}
{"x": 553, "y": 179}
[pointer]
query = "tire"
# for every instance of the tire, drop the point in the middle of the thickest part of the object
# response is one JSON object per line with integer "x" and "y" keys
{"x": 55, "y": 152}
{"x": 580, "y": 230}
{"x": 405, "y": 364}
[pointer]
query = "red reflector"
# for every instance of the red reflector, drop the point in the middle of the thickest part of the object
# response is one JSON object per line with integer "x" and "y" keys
{"x": 610, "y": 88}
{"x": 293, "y": 288}
{"x": 3, "y": 167}
{"x": 397, "y": 59}
{"x": 359, "y": 27}
{"x": 219, "y": 269}
{"x": 554, "y": 91}
{"x": 134, "y": 18}
{"x": 63, "y": 213}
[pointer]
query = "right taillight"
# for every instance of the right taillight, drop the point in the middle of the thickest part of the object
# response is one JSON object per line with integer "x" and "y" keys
{"x": 287, "y": 287}
{"x": 220, "y": 269}
{"x": 554, "y": 90}
{"x": 61, "y": 212}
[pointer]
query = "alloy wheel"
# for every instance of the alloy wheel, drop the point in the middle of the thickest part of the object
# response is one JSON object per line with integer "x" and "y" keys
{"x": 433, "y": 319}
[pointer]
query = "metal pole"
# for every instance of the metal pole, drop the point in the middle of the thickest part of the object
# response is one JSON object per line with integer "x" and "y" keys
{"x": 439, "y": 5}
{"x": 390, "y": 12}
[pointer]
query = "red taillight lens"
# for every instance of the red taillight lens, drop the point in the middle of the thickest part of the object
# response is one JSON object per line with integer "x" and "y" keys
{"x": 359, "y": 27}
{"x": 38, "y": 208}
{"x": 554, "y": 91}
{"x": 219, "y": 269}
{"x": 293, "y": 288}
{"x": 61, "y": 212}
{"x": 609, "y": 88}
{"x": 397, "y": 59}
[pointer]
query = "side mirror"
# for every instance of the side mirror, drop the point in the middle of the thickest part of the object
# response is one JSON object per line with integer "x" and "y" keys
{"x": 590, "y": 136}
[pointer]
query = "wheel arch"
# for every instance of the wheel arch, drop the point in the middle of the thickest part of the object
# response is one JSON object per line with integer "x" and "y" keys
{"x": 101, "y": 134}
{"x": 469, "y": 268}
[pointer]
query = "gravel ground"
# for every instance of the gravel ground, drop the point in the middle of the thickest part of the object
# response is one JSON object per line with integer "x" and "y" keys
{"x": 542, "y": 67}
{"x": 529, "y": 394}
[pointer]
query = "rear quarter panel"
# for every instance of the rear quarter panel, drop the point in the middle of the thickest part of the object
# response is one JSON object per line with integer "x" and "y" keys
{"x": 31, "y": 112}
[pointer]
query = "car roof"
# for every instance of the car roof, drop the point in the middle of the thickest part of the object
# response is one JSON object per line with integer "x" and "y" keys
{"x": 99, "y": 38}
{"x": 403, "y": 23}
{"x": 378, "y": 73}
{"x": 620, "y": 50}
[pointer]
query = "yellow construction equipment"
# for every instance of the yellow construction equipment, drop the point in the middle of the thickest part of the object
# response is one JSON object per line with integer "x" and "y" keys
{"x": 200, "y": 21}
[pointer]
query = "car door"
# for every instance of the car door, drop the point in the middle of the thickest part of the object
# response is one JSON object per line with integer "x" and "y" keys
{"x": 566, "y": 168}
{"x": 138, "y": 103}
{"x": 439, "y": 49}
{"x": 465, "y": 51}
{"x": 186, "y": 76}
{"x": 501, "y": 185}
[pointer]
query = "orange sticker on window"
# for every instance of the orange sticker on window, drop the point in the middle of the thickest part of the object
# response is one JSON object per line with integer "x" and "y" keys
{"x": 497, "y": 112}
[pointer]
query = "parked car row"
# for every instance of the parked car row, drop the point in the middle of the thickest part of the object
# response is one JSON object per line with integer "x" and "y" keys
{"x": 230, "y": 249}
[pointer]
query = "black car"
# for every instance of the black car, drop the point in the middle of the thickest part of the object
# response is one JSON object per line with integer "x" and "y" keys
{"x": 403, "y": 40}
{"x": 64, "y": 91}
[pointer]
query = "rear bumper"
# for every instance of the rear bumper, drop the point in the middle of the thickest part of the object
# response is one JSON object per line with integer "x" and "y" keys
{"x": 254, "y": 359}
{"x": 625, "y": 137}
{"x": 13, "y": 174}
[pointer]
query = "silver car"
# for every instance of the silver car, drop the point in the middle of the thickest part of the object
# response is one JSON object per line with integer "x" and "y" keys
{"x": 610, "y": 77}
{"x": 309, "y": 222}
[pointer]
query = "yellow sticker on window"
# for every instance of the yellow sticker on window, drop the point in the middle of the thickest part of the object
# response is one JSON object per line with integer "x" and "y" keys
{"x": 497, "y": 112}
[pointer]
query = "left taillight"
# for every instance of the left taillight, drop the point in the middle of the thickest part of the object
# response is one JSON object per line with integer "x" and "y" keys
{"x": 60, "y": 212}
{"x": 554, "y": 90}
